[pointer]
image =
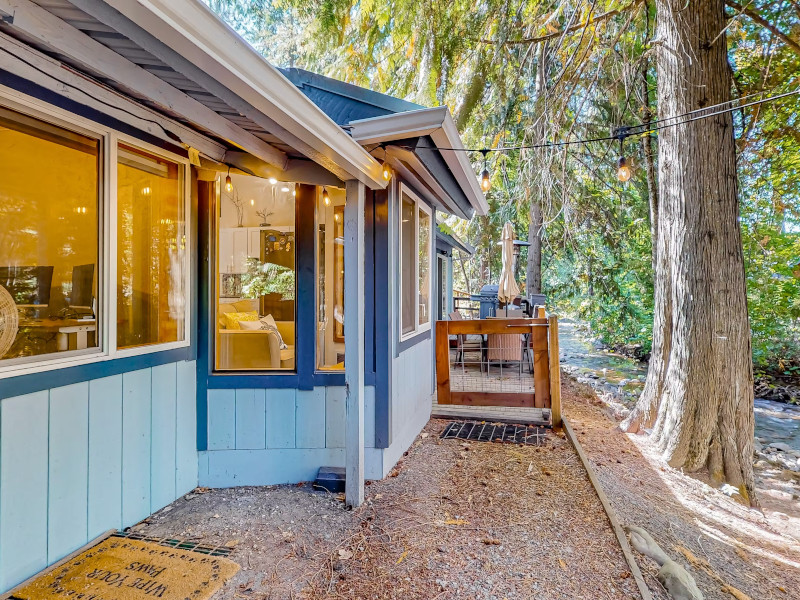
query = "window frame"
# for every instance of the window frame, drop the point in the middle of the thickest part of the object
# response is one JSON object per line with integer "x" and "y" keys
{"x": 418, "y": 205}
{"x": 106, "y": 333}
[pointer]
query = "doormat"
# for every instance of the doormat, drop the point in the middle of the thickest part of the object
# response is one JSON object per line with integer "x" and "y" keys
{"x": 126, "y": 569}
{"x": 481, "y": 431}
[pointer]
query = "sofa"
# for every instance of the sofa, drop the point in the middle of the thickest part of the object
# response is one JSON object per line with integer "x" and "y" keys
{"x": 241, "y": 349}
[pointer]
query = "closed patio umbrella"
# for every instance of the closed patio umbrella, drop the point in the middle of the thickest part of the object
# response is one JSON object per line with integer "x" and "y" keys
{"x": 507, "y": 288}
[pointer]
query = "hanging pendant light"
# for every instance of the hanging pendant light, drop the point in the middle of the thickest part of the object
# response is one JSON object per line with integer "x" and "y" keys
{"x": 228, "y": 182}
{"x": 624, "y": 171}
{"x": 387, "y": 170}
{"x": 326, "y": 198}
{"x": 486, "y": 182}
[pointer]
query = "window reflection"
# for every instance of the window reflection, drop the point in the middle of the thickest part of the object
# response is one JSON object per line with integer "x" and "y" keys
{"x": 49, "y": 194}
{"x": 330, "y": 280}
{"x": 151, "y": 249}
{"x": 256, "y": 275}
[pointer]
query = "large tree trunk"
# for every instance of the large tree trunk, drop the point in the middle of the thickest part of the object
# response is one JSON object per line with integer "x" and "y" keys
{"x": 701, "y": 375}
{"x": 533, "y": 276}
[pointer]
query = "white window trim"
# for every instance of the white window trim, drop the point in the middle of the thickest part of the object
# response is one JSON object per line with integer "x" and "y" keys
{"x": 418, "y": 205}
{"x": 107, "y": 241}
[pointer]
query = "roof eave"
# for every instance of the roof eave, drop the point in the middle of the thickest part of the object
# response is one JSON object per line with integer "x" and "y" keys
{"x": 439, "y": 125}
{"x": 195, "y": 32}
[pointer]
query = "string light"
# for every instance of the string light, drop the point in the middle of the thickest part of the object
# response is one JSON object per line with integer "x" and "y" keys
{"x": 228, "y": 182}
{"x": 486, "y": 183}
{"x": 387, "y": 170}
{"x": 624, "y": 171}
{"x": 326, "y": 199}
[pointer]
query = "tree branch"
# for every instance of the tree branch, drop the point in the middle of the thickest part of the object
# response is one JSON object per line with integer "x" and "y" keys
{"x": 757, "y": 18}
{"x": 573, "y": 28}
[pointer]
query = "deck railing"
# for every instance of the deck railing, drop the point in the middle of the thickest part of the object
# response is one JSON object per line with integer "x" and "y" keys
{"x": 499, "y": 362}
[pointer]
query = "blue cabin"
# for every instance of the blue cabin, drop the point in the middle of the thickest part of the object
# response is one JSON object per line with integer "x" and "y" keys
{"x": 212, "y": 272}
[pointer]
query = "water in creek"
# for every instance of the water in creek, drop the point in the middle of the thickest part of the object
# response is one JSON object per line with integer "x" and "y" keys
{"x": 623, "y": 379}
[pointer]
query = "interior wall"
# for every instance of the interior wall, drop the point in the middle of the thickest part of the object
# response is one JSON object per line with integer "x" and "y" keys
{"x": 257, "y": 194}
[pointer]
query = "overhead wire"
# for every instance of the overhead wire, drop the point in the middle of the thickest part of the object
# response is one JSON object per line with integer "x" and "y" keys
{"x": 633, "y": 130}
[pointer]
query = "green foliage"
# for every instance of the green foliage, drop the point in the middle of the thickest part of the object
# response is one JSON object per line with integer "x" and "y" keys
{"x": 267, "y": 278}
{"x": 521, "y": 72}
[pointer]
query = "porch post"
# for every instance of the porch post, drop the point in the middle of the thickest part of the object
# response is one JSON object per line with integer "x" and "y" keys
{"x": 354, "y": 341}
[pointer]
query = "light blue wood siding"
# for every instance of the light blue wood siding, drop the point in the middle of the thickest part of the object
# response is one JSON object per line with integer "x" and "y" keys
{"x": 136, "y": 433}
{"x": 335, "y": 417}
{"x": 281, "y": 412}
{"x": 105, "y": 455}
{"x": 186, "y": 428}
{"x": 162, "y": 446}
{"x": 250, "y": 420}
{"x": 79, "y": 460}
{"x": 310, "y": 418}
{"x": 221, "y": 419}
{"x": 266, "y": 437}
{"x": 67, "y": 502}
{"x": 23, "y": 487}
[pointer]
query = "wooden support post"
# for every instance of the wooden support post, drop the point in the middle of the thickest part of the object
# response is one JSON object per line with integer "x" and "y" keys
{"x": 442, "y": 363}
{"x": 541, "y": 367}
{"x": 555, "y": 371}
{"x": 540, "y": 312}
{"x": 354, "y": 341}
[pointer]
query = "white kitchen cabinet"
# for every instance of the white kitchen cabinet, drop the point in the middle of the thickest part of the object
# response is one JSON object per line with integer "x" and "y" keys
{"x": 233, "y": 249}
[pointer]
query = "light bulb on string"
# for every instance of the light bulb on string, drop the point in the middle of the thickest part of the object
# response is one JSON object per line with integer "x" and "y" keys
{"x": 486, "y": 182}
{"x": 326, "y": 198}
{"x": 228, "y": 182}
{"x": 624, "y": 171}
{"x": 387, "y": 170}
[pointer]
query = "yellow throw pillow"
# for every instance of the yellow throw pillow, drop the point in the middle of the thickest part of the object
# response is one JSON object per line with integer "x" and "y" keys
{"x": 232, "y": 318}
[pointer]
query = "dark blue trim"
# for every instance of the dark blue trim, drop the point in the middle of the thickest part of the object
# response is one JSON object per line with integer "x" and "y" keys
{"x": 306, "y": 285}
{"x": 205, "y": 241}
{"x": 382, "y": 318}
{"x": 411, "y": 342}
{"x": 37, "y": 382}
{"x": 46, "y": 95}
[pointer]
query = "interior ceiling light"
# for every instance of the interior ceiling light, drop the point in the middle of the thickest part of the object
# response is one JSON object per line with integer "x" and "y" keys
{"x": 228, "y": 182}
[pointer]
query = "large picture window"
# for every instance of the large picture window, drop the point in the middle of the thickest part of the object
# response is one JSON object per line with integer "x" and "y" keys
{"x": 49, "y": 205}
{"x": 256, "y": 289}
{"x": 75, "y": 252}
{"x": 330, "y": 278}
{"x": 151, "y": 249}
{"x": 416, "y": 252}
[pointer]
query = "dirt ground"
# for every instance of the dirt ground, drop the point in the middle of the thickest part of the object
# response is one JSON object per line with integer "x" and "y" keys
{"x": 719, "y": 541}
{"x": 453, "y": 520}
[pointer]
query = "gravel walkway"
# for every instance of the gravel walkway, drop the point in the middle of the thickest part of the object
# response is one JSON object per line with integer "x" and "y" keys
{"x": 453, "y": 520}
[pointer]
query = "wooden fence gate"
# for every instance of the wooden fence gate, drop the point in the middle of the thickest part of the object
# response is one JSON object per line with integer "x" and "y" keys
{"x": 525, "y": 344}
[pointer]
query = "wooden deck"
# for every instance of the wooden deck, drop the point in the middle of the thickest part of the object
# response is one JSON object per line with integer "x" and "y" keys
{"x": 499, "y": 414}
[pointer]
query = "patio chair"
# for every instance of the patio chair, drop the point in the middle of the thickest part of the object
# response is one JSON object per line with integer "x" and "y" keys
{"x": 464, "y": 344}
{"x": 506, "y": 347}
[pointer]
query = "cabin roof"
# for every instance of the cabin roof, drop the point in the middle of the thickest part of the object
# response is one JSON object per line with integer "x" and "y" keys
{"x": 422, "y": 142}
{"x": 180, "y": 59}
{"x": 449, "y": 241}
{"x": 345, "y": 102}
